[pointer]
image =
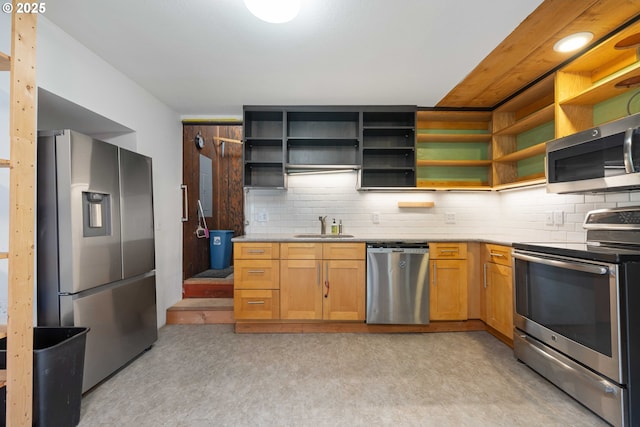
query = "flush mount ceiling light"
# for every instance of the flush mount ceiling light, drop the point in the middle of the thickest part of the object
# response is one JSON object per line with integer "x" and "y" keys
{"x": 274, "y": 11}
{"x": 573, "y": 42}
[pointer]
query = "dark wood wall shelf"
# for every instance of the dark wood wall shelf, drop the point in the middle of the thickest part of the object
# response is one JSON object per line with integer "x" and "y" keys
{"x": 281, "y": 140}
{"x": 388, "y": 148}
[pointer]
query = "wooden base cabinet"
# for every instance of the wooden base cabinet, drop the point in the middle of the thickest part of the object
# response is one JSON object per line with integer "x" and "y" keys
{"x": 344, "y": 290}
{"x": 315, "y": 286}
{"x": 256, "y": 281}
{"x": 301, "y": 296}
{"x": 498, "y": 288}
{"x": 448, "y": 281}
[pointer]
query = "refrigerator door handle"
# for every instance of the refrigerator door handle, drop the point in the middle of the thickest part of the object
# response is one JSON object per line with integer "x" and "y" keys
{"x": 185, "y": 203}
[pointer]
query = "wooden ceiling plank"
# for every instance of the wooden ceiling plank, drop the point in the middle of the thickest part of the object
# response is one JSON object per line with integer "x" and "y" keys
{"x": 452, "y": 125}
{"x": 548, "y": 19}
{"x": 515, "y": 63}
{"x": 596, "y": 19}
{"x": 461, "y": 116}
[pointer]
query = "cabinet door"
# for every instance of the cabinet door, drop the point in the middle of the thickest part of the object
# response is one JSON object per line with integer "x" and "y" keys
{"x": 499, "y": 298}
{"x": 301, "y": 289}
{"x": 344, "y": 290}
{"x": 448, "y": 290}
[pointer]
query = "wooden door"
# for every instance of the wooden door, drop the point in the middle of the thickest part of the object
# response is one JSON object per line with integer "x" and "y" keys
{"x": 499, "y": 298}
{"x": 344, "y": 298}
{"x": 300, "y": 289}
{"x": 227, "y": 197}
{"x": 448, "y": 289}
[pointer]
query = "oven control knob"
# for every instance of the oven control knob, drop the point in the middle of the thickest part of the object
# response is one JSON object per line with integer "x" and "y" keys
{"x": 554, "y": 338}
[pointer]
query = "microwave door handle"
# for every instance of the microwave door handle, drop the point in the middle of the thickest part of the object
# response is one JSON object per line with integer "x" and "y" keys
{"x": 586, "y": 268}
{"x": 628, "y": 151}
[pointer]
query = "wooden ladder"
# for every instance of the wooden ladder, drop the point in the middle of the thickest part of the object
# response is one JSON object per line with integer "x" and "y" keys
{"x": 22, "y": 175}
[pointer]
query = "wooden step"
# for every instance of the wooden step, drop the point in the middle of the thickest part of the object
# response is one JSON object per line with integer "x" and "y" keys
{"x": 201, "y": 311}
{"x": 208, "y": 288}
{"x": 202, "y": 289}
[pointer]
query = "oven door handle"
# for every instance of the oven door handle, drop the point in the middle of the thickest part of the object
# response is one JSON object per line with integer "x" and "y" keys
{"x": 586, "y": 268}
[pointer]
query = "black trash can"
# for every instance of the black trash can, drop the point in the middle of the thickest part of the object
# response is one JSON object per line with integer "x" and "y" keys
{"x": 58, "y": 366}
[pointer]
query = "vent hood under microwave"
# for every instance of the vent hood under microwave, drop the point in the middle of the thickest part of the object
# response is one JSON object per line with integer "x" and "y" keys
{"x": 603, "y": 158}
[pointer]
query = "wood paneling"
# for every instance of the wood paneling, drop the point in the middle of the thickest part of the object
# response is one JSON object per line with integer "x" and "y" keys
{"x": 527, "y": 53}
{"x": 22, "y": 175}
{"x": 228, "y": 205}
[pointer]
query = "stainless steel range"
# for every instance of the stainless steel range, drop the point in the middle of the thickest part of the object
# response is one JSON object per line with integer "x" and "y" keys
{"x": 577, "y": 313}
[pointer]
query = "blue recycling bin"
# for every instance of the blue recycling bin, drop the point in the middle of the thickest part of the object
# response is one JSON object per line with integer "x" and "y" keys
{"x": 220, "y": 248}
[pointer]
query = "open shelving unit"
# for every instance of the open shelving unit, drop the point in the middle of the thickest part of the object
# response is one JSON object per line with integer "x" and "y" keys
{"x": 521, "y": 128}
{"x": 453, "y": 149}
{"x": 388, "y": 148}
{"x": 264, "y": 148}
{"x": 598, "y": 75}
{"x": 322, "y": 140}
{"x": 378, "y": 141}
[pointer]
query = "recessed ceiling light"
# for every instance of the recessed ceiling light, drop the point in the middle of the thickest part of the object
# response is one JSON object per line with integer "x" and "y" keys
{"x": 274, "y": 11}
{"x": 573, "y": 42}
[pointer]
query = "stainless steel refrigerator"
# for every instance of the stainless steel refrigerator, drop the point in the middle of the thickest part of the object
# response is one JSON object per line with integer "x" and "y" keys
{"x": 95, "y": 247}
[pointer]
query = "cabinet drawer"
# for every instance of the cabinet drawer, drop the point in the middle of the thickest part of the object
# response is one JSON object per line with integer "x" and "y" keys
{"x": 453, "y": 250}
{"x": 256, "y": 250}
{"x": 498, "y": 254}
{"x": 352, "y": 250}
{"x": 256, "y": 274}
{"x": 258, "y": 304}
{"x": 303, "y": 250}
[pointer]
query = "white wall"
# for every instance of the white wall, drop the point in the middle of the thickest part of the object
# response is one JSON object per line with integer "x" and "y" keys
{"x": 507, "y": 216}
{"x": 66, "y": 68}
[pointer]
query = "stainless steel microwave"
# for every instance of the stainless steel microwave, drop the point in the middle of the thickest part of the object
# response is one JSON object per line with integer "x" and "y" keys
{"x": 603, "y": 158}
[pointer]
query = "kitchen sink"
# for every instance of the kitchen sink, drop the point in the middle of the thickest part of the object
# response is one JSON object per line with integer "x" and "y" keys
{"x": 323, "y": 236}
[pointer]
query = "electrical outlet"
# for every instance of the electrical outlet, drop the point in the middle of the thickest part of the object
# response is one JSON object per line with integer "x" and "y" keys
{"x": 263, "y": 216}
{"x": 558, "y": 217}
{"x": 375, "y": 217}
{"x": 450, "y": 218}
{"x": 548, "y": 218}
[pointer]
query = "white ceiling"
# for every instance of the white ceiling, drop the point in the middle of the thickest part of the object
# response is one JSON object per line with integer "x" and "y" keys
{"x": 210, "y": 57}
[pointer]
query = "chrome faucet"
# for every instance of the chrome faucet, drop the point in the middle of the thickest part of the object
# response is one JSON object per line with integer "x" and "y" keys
{"x": 323, "y": 224}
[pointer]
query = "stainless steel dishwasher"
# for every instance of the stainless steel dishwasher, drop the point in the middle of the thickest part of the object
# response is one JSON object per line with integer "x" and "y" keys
{"x": 398, "y": 283}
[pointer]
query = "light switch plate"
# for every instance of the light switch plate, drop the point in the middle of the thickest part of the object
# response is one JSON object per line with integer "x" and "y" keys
{"x": 558, "y": 217}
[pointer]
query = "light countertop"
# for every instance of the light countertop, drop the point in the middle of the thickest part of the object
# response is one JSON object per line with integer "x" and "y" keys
{"x": 288, "y": 238}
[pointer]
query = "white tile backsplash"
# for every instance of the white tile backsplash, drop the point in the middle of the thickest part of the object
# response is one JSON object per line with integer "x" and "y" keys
{"x": 513, "y": 215}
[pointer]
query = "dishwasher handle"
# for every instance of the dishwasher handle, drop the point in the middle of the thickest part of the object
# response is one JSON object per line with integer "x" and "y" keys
{"x": 396, "y": 249}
